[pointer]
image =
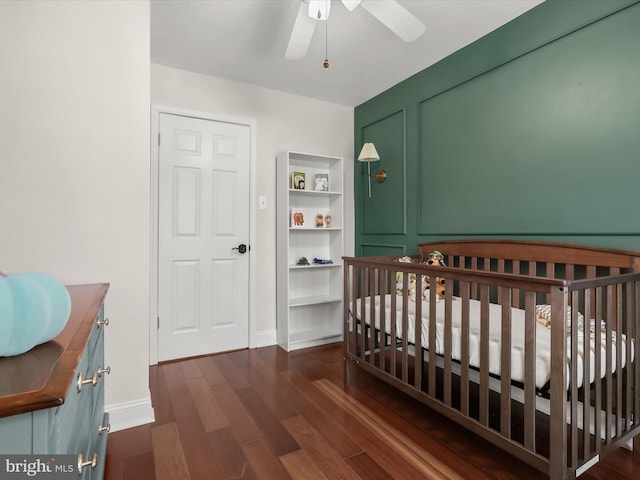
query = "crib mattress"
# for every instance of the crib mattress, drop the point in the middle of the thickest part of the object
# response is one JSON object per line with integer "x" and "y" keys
{"x": 543, "y": 338}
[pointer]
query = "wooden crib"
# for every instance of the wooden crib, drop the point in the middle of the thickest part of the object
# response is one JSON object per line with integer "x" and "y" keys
{"x": 530, "y": 346}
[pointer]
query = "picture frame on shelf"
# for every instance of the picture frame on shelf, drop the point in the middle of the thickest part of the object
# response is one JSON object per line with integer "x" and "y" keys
{"x": 322, "y": 182}
{"x": 298, "y": 180}
{"x": 297, "y": 218}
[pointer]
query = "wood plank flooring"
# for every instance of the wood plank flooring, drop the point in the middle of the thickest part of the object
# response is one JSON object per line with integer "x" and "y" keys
{"x": 268, "y": 414}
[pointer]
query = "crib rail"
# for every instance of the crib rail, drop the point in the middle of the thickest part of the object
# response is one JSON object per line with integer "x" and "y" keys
{"x": 558, "y": 428}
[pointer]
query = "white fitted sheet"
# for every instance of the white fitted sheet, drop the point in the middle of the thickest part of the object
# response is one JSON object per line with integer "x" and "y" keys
{"x": 543, "y": 338}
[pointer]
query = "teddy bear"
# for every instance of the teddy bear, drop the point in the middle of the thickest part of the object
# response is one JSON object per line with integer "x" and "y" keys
{"x": 435, "y": 258}
{"x": 440, "y": 289}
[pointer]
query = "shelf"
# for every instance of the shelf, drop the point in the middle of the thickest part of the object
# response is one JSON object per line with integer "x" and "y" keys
{"x": 313, "y": 265}
{"x": 313, "y": 192}
{"x": 318, "y": 300}
{"x": 303, "y": 229}
{"x": 314, "y": 337}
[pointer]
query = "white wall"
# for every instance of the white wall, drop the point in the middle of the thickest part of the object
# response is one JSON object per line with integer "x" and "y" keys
{"x": 74, "y": 163}
{"x": 284, "y": 122}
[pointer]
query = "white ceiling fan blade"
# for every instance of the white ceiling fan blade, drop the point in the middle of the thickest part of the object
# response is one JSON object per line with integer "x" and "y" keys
{"x": 395, "y": 17}
{"x": 351, "y": 4}
{"x": 300, "y": 35}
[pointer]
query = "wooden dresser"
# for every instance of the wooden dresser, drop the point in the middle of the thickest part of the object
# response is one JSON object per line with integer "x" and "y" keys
{"x": 52, "y": 397}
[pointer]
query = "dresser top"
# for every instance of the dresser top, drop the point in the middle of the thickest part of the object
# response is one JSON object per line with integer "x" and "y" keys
{"x": 40, "y": 378}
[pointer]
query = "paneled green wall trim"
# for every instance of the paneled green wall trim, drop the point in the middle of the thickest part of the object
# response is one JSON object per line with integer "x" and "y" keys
{"x": 374, "y": 250}
{"x": 389, "y": 196}
{"x": 533, "y": 131}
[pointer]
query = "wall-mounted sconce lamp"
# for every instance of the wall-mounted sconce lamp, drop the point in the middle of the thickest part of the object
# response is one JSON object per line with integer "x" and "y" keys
{"x": 369, "y": 154}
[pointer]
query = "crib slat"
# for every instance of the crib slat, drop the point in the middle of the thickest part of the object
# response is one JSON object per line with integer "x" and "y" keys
{"x": 464, "y": 348}
{"x": 500, "y": 270}
{"x": 569, "y": 272}
{"x": 417, "y": 365}
{"x": 586, "y": 347}
{"x": 352, "y": 339}
{"x": 363, "y": 311}
{"x": 573, "y": 379}
{"x": 505, "y": 364}
{"x": 515, "y": 299}
{"x": 475, "y": 287}
{"x": 551, "y": 273}
{"x": 484, "y": 355}
{"x": 373, "y": 290}
{"x": 432, "y": 341}
{"x": 636, "y": 368}
{"x": 405, "y": 328}
{"x": 619, "y": 372}
{"x": 532, "y": 269}
{"x": 558, "y": 386}
{"x": 598, "y": 368}
{"x": 447, "y": 346}
{"x": 394, "y": 329}
{"x": 530, "y": 371}
{"x": 383, "y": 317}
{"x": 609, "y": 362}
{"x": 629, "y": 331}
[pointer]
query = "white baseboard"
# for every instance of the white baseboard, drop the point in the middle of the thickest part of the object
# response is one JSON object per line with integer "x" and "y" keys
{"x": 130, "y": 414}
{"x": 266, "y": 339}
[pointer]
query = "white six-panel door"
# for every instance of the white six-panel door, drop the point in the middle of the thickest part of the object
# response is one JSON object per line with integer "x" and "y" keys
{"x": 203, "y": 218}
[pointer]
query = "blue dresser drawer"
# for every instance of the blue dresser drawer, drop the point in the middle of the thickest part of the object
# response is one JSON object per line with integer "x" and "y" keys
{"x": 64, "y": 415}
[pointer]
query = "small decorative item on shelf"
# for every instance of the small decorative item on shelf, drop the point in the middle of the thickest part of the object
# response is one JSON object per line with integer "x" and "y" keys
{"x": 322, "y": 261}
{"x": 319, "y": 220}
{"x": 298, "y": 180}
{"x": 303, "y": 261}
{"x": 297, "y": 217}
{"x": 327, "y": 220}
{"x": 322, "y": 182}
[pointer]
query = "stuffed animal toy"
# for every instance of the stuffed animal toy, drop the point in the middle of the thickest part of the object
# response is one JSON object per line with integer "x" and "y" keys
{"x": 412, "y": 290}
{"x": 400, "y": 276}
{"x": 440, "y": 289}
{"x": 435, "y": 258}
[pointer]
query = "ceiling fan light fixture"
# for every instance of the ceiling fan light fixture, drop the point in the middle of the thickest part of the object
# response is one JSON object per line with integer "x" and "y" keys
{"x": 351, "y": 4}
{"x": 319, "y": 9}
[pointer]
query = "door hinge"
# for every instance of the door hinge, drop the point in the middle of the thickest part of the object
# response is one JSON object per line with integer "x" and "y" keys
{"x": 158, "y": 323}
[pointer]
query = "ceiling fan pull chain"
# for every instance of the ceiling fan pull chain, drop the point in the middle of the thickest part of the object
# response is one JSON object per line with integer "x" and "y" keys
{"x": 325, "y": 64}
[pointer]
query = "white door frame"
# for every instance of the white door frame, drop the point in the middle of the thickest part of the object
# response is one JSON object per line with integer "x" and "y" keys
{"x": 156, "y": 110}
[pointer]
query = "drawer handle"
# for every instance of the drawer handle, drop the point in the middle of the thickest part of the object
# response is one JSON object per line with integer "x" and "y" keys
{"x": 81, "y": 382}
{"x": 89, "y": 463}
{"x": 104, "y": 370}
{"x": 104, "y": 428}
{"x": 104, "y": 322}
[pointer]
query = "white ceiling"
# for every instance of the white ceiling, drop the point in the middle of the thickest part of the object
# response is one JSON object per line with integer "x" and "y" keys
{"x": 245, "y": 41}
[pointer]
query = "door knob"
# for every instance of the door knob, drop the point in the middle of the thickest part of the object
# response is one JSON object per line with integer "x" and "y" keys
{"x": 242, "y": 248}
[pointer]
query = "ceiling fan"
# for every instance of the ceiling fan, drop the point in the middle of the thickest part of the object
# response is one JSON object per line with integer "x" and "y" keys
{"x": 389, "y": 12}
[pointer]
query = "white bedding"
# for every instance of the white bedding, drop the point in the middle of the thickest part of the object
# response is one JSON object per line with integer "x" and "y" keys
{"x": 543, "y": 338}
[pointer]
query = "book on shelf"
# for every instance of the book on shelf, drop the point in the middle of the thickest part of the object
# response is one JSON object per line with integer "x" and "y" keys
{"x": 322, "y": 182}
{"x": 297, "y": 217}
{"x": 298, "y": 180}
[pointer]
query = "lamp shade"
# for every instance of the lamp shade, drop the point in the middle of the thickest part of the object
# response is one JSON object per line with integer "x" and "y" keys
{"x": 368, "y": 153}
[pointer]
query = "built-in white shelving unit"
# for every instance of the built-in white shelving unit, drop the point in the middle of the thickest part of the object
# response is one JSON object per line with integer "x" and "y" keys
{"x": 309, "y": 297}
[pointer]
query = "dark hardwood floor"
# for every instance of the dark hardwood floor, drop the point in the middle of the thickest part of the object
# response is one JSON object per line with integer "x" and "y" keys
{"x": 268, "y": 414}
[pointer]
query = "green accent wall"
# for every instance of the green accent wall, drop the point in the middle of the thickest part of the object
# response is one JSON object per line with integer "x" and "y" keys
{"x": 533, "y": 132}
